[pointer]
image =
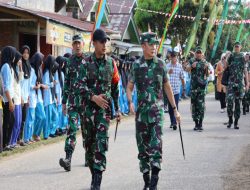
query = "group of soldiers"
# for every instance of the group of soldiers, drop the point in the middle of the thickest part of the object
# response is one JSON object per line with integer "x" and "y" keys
{"x": 237, "y": 86}
{"x": 91, "y": 83}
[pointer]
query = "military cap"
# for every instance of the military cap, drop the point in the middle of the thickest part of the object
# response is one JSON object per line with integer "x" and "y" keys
{"x": 100, "y": 35}
{"x": 237, "y": 43}
{"x": 77, "y": 38}
{"x": 149, "y": 37}
{"x": 198, "y": 48}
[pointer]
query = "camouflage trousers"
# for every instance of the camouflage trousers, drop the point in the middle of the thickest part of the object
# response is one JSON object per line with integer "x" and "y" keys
{"x": 96, "y": 141}
{"x": 234, "y": 97}
{"x": 246, "y": 99}
{"x": 149, "y": 142}
{"x": 74, "y": 113}
{"x": 198, "y": 104}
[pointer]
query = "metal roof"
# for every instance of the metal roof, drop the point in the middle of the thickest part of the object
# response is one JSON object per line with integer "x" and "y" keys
{"x": 121, "y": 6}
{"x": 65, "y": 20}
{"x": 119, "y": 22}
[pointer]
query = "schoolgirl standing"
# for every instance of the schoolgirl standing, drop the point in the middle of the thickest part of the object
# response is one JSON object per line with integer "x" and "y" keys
{"x": 49, "y": 97}
{"x": 7, "y": 75}
{"x": 18, "y": 77}
{"x": 36, "y": 94}
{"x": 25, "y": 88}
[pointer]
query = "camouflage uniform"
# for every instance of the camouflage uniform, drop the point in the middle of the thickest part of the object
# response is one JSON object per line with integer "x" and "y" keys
{"x": 71, "y": 96}
{"x": 235, "y": 88}
{"x": 96, "y": 79}
{"x": 149, "y": 77}
{"x": 198, "y": 89}
{"x": 246, "y": 98}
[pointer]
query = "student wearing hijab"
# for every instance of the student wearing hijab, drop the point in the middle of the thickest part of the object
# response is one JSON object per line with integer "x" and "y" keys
{"x": 59, "y": 77}
{"x": 36, "y": 95}
{"x": 25, "y": 88}
{"x": 1, "y": 114}
{"x": 49, "y": 97}
{"x": 7, "y": 75}
{"x": 18, "y": 77}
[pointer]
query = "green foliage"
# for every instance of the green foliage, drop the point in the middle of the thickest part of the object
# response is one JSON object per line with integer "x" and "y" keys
{"x": 180, "y": 29}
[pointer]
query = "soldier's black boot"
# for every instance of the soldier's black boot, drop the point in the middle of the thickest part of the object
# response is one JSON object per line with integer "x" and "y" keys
{"x": 154, "y": 179}
{"x": 154, "y": 182}
{"x": 200, "y": 126}
{"x": 196, "y": 125}
{"x": 66, "y": 163}
{"x": 236, "y": 124}
{"x": 244, "y": 110}
{"x": 247, "y": 108}
{"x": 230, "y": 122}
{"x": 146, "y": 178}
{"x": 97, "y": 179}
{"x": 92, "y": 178}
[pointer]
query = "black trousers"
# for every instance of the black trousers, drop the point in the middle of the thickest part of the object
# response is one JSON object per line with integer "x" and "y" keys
{"x": 24, "y": 111}
{"x": 222, "y": 97}
{"x": 8, "y": 123}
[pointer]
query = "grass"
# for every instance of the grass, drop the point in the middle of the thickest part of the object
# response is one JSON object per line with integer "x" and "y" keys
{"x": 32, "y": 146}
{"x": 41, "y": 143}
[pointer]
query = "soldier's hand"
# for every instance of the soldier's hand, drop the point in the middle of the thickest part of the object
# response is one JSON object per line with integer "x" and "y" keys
{"x": 177, "y": 116}
{"x": 64, "y": 109}
{"x": 131, "y": 108}
{"x": 118, "y": 116}
{"x": 194, "y": 65}
{"x": 100, "y": 101}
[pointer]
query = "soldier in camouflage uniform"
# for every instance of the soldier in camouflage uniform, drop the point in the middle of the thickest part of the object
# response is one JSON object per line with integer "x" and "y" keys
{"x": 150, "y": 76}
{"x": 246, "y": 98}
{"x": 72, "y": 99}
{"x": 198, "y": 67}
{"x": 235, "y": 88}
{"x": 98, "y": 84}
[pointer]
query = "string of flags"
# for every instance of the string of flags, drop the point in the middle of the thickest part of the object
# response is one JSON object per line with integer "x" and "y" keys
{"x": 216, "y": 21}
{"x": 191, "y": 18}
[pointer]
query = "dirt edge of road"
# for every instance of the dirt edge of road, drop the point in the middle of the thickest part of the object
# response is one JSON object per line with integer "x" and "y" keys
{"x": 238, "y": 177}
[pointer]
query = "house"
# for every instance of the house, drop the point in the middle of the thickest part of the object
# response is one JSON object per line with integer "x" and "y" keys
{"x": 121, "y": 19}
{"x": 43, "y": 30}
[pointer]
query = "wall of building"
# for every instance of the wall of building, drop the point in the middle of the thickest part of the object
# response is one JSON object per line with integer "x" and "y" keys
{"x": 42, "y": 5}
{"x": 8, "y": 35}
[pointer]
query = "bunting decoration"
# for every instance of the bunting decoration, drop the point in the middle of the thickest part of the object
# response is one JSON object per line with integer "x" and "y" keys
{"x": 173, "y": 11}
{"x": 99, "y": 13}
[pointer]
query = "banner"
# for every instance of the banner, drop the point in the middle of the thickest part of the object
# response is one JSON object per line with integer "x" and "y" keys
{"x": 60, "y": 35}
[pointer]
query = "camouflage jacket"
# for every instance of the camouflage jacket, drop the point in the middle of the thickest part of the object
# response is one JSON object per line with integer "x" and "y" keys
{"x": 237, "y": 65}
{"x": 97, "y": 77}
{"x": 149, "y": 77}
{"x": 199, "y": 74}
{"x": 71, "y": 92}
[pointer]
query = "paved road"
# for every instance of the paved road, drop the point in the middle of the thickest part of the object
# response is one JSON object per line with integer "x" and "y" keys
{"x": 209, "y": 157}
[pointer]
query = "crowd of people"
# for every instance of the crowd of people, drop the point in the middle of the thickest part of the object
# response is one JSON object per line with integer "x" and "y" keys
{"x": 44, "y": 97}
{"x": 31, "y": 91}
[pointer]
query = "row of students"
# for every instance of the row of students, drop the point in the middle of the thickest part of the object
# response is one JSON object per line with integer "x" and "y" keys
{"x": 31, "y": 97}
